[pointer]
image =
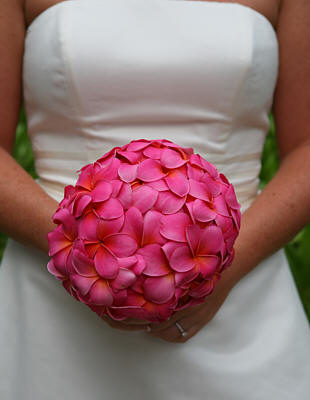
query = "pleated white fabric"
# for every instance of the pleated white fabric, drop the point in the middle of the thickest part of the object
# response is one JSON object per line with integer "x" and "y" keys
{"x": 97, "y": 74}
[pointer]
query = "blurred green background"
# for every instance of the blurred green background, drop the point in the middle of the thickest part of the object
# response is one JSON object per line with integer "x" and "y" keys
{"x": 298, "y": 250}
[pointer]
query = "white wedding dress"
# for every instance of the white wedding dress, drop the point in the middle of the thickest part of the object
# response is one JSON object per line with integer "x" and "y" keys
{"x": 98, "y": 74}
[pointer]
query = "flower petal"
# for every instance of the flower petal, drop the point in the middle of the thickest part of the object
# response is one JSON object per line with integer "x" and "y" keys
{"x": 132, "y": 156}
{"x": 144, "y": 198}
{"x": 101, "y": 192}
{"x": 189, "y": 206}
{"x": 125, "y": 196}
{"x": 91, "y": 248}
{"x": 169, "y": 248}
{"x": 133, "y": 225}
{"x": 178, "y": 183}
{"x": 193, "y": 234}
{"x": 151, "y": 231}
{"x": 173, "y": 226}
{"x": 220, "y": 205}
{"x": 199, "y": 190}
{"x": 101, "y": 294}
{"x": 137, "y": 145}
{"x": 160, "y": 289}
{"x": 140, "y": 265}
{"x": 127, "y": 262}
{"x": 54, "y": 271}
{"x": 116, "y": 187}
{"x": 110, "y": 209}
{"x": 211, "y": 241}
{"x": 229, "y": 237}
{"x": 169, "y": 203}
{"x": 227, "y": 261}
{"x": 70, "y": 193}
{"x": 156, "y": 263}
{"x": 85, "y": 177}
{"x": 214, "y": 187}
{"x": 70, "y": 289}
{"x": 202, "y": 290}
{"x": 82, "y": 264}
{"x": 64, "y": 217}
{"x": 202, "y": 212}
{"x": 108, "y": 171}
{"x": 158, "y": 312}
{"x": 225, "y": 223}
{"x": 124, "y": 279}
{"x": 207, "y": 265}
{"x": 159, "y": 185}
{"x": 194, "y": 172}
{"x": 88, "y": 226}
{"x": 181, "y": 260}
{"x": 134, "y": 299}
{"x": 121, "y": 244}
{"x": 236, "y": 215}
{"x": 127, "y": 172}
{"x": 137, "y": 286}
{"x": 106, "y": 264}
{"x": 150, "y": 170}
{"x": 80, "y": 204}
{"x": 82, "y": 283}
{"x": 108, "y": 227}
{"x": 119, "y": 296}
{"x": 152, "y": 152}
{"x": 171, "y": 159}
{"x": 184, "y": 278}
{"x": 57, "y": 241}
{"x": 197, "y": 160}
{"x": 107, "y": 156}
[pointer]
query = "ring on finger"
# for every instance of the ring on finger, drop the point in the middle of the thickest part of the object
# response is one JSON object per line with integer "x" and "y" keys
{"x": 181, "y": 329}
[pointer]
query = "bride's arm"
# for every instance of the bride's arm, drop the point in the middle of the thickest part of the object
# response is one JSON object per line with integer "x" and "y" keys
{"x": 283, "y": 207}
{"x": 25, "y": 212}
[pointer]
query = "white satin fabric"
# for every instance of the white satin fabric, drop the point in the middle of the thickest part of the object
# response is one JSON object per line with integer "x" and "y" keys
{"x": 97, "y": 74}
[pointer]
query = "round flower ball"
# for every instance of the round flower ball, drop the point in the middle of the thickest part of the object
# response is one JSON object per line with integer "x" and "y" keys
{"x": 146, "y": 231}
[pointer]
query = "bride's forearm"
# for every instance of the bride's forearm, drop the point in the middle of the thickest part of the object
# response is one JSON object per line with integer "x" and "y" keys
{"x": 26, "y": 210}
{"x": 276, "y": 215}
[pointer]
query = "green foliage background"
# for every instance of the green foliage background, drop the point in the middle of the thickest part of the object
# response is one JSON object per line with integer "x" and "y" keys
{"x": 298, "y": 250}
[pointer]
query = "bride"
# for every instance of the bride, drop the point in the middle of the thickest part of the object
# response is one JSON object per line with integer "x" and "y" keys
{"x": 95, "y": 74}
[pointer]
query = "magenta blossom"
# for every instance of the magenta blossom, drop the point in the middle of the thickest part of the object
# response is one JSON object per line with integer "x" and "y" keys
{"x": 147, "y": 230}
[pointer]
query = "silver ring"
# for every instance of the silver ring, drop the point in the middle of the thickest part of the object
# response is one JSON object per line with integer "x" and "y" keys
{"x": 181, "y": 329}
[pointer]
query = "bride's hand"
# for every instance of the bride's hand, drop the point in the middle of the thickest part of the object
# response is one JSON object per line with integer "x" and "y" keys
{"x": 129, "y": 324}
{"x": 193, "y": 318}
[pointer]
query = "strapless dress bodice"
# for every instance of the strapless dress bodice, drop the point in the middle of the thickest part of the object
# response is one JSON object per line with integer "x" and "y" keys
{"x": 100, "y": 73}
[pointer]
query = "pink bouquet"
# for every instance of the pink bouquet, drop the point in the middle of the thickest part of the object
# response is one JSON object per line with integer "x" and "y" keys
{"x": 147, "y": 230}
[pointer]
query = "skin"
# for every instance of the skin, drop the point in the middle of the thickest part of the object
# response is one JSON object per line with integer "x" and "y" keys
{"x": 264, "y": 227}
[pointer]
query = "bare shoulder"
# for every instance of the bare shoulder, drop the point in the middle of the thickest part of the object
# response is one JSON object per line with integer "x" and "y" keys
{"x": 292, "y": 95}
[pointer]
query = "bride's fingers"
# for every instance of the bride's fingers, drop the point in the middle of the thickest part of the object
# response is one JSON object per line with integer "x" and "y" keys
{"x": 124, "y": 327}
{"x": 135, "y": 321}
{"x": 188, "y": 314}
{"x": 173, "y": 334}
